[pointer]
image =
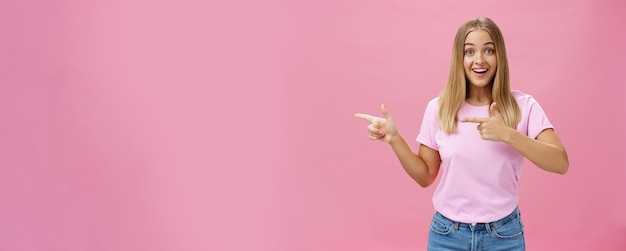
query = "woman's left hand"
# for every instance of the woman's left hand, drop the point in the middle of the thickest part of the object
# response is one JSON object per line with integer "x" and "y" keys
{"x": 491, "y": 128}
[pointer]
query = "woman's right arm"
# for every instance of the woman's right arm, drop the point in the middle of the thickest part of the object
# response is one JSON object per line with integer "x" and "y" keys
{"x": 422, "y": 167}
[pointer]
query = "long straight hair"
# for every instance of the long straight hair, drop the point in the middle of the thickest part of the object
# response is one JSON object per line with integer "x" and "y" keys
{"x": 456, "y": 90}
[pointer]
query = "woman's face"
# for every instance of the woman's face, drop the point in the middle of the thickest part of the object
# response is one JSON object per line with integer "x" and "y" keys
{"x": 479, "y": 59}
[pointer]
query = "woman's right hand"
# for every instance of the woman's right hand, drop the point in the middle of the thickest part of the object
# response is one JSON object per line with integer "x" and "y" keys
{"x": 383, "y": 129}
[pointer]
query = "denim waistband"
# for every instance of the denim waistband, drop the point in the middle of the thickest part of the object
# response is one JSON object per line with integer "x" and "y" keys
{"x": 483, "y": 225}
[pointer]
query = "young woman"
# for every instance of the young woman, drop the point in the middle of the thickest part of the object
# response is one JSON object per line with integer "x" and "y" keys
{"x": 477, "y": 132}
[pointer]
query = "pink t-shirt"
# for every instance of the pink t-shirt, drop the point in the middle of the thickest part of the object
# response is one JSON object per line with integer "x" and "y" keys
{"x": 478, "y": 177}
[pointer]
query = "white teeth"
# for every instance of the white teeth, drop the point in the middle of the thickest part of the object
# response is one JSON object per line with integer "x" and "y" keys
{"x": 479, "y": 70}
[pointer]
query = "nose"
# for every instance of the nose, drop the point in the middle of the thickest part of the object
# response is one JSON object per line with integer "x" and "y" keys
{"x": 479, "y": 58}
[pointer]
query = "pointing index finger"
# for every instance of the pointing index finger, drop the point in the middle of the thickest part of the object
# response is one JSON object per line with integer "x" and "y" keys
{"x": 367, "y": 117}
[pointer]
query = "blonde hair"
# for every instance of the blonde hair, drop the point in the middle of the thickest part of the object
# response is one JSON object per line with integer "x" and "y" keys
{"x": 455, "y": 92}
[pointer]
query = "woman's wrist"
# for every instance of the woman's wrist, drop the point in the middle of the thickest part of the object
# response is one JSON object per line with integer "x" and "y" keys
{"x": 395, "y": 139}
{"x": 509, "y": 135}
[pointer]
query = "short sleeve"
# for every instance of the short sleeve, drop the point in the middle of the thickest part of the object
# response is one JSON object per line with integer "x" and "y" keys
{"x": 428, "y": 129}
{"x": 537, "y": 119}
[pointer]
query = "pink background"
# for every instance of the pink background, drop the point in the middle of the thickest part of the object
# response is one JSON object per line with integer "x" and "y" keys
{"x": 195, "y": 125}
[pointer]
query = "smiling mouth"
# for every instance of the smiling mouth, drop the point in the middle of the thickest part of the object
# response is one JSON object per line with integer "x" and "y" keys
{"x": 479, "y": 71}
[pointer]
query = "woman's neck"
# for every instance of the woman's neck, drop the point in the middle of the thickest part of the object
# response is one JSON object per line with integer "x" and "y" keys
{"x": 479, "y": 97}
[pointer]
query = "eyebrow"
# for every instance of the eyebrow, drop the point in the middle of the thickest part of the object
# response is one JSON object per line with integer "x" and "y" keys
{"x": 491, "y": 43}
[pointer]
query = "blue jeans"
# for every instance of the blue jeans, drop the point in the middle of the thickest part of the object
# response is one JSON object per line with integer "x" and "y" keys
{"x": 504, "y": 234}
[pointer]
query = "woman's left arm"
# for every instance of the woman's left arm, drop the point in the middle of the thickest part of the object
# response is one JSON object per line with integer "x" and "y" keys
{"x": 546, "y": 151}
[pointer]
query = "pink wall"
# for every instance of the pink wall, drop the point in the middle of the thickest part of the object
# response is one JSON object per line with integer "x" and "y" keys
{"x": 187, "y": 125}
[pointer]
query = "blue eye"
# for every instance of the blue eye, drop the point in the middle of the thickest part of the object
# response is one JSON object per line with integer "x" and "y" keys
{"x": 469, "y": 52}
{"x": 489, "y": 51}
